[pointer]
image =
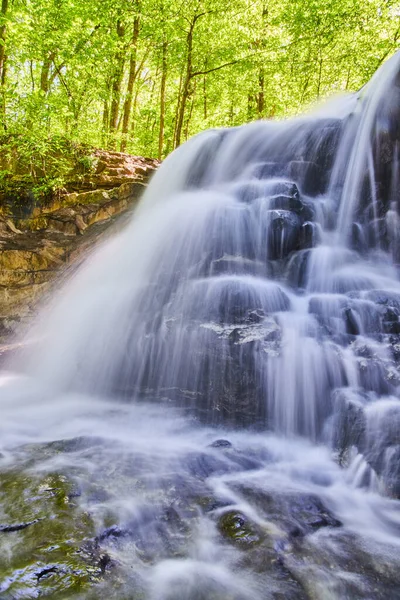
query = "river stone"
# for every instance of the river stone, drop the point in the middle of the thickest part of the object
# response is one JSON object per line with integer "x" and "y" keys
{"x": 236, "y": 528}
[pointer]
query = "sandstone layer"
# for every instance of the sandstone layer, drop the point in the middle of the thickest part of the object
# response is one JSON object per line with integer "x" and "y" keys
{"x": 38, "y": 247}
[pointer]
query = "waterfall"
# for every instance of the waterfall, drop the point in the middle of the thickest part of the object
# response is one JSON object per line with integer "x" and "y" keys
{"x": 257, "y": 290}
{"x": 257, "y": 277}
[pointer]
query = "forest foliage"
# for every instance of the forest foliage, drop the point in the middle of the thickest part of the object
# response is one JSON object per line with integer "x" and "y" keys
{"x": 144, "y": 75}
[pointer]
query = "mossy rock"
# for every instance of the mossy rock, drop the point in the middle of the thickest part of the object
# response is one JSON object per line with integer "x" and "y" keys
{"x": 47, "y": 542}
{"x": 238, "y": 529}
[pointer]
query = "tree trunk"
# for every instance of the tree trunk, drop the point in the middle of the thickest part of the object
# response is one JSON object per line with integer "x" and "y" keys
{"x": 319, "y": 77}
{"x": 149, "y": 116}
{"x": 260, "y": 45}
{"x": 178, "y": 104}
{"x": 117, "y": 77}
{"x": 31, "y": 74}
{"x": 4, "y": 72}
{"x": 3, "y": 59}
{"x": 45, "y": 72}
{"x": 162, "y": 98}
{"x": 205, "y": 111}
{"x": 260, "y": 95}
{"x": 190, "y": 114}
{"x": 205, "y": 97}
{"x": 3, "y": 33}
{"x": 186, "y": 82}
{"x": 250, "y": 107}
{"x": 106, "y": 119}
{"x": 131, "y": 82}
{"x": 182, "y": 108}
{"x": 133, "y": 122}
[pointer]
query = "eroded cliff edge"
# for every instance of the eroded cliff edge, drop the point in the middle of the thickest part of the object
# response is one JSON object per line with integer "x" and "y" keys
{"x": 38, "y": 241}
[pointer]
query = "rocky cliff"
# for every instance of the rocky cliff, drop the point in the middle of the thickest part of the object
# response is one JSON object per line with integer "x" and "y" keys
{"x": 36, "y": 244}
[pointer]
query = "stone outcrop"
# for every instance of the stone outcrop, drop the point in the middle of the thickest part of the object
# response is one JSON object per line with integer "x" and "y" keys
{"x": 112, "y": 169}
{"x": 36, "y": 248}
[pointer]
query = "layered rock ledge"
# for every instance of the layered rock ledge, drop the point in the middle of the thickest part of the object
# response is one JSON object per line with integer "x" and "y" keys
{"x": 38, "y": 246}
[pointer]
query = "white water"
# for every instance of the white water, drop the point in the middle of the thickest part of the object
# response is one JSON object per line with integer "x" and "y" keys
{"x": 249, "y": 299}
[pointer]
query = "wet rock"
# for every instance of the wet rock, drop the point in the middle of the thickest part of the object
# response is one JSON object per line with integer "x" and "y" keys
{"x": 236, "y": 528}
{"x": 104, "y": 562}
{"x": 296, "y": 272}
{"x": 391, "y": 471}
{"x": 285, "y": 188}
{"x": 17, "y": 526}
{"x": 391, "y": 320}
{"x": 240, "y": 301}
{"x": 283, "y": 233}
{"x": 236, "y": 399}
{"x": 391, "y": 327}
{"x": 237, "y": 266}
{"x": 309, "y": 235}
{"x": 390, "y": 315}
{"x": 255, "y": 316}
{"x": 298, "y": 514}
{"x": 307, "y": 175}
{"x": 304, "y": 210}
{"x": 375, "y": 375}
{"x": 328, "y": 309}
{"x": 339, "y": 314}
{"x": 373, "y": 428}
{"x": 221, "y": 444}
{"x": 199, "y": 170}
{"x": 384, "y": 424}
{"x": 251, "y": 190}
{"x": 358, "y": 239}
{"x": 324, "y": 142}
{"x": 53, "y": 554}
{"x": 76, "y": 444}
{"x": 352, "y": 326}
{"x": 378, "y": 234}
{"x": 113, "y": 532}
{"x": 157, "y": 532}
{"x": 204, "y": 465}
{"x": 357, "y": 573}
{"x": 310, "y": 514}
{"x": 384, "y": 298}
{"x": 349, "y": 422}
{"x": 289, "y": 203}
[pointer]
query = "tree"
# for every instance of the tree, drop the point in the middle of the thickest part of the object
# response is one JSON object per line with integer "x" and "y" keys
{"x": 143, "y": 75}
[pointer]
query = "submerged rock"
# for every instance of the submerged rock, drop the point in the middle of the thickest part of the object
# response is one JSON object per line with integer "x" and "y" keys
{"x": 221, "y": 444}
{"x": 53, "y": 554}
{"x": 239, "y": 530}
{"x": 297, "y": 514}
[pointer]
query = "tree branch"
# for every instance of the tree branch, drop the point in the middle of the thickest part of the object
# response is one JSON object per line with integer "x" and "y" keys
{"x": 207, "y": 71}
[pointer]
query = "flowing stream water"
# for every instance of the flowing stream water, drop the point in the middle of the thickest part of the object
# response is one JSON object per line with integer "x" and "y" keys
{"x": 219, "y": 382}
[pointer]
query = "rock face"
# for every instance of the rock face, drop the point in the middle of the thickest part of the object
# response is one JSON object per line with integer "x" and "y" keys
{"x": 113, "y": 169}
{"x": 35, "y": 248}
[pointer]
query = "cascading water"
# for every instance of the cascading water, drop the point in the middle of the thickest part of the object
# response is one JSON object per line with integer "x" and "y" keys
{"x": 253, "y": 298}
